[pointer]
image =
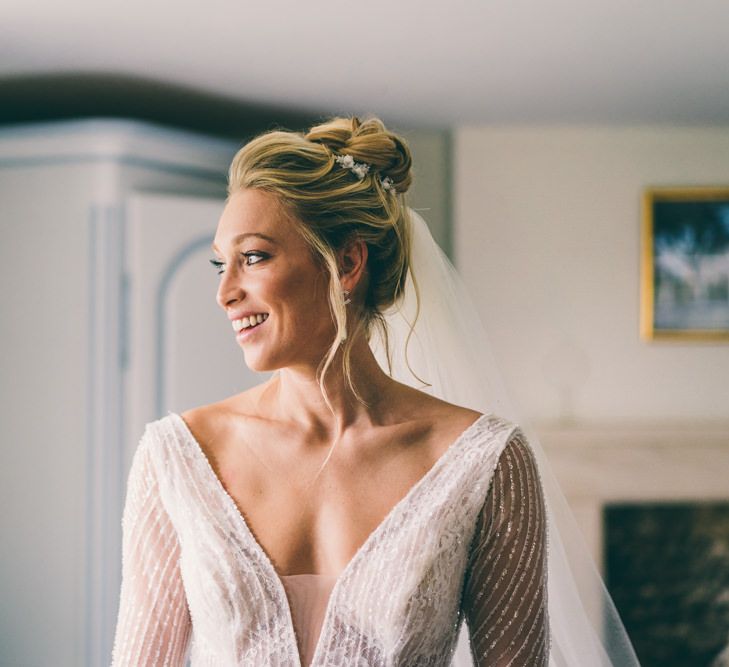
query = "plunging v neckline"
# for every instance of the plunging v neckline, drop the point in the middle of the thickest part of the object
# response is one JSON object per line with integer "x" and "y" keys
{"x": 265, "y": 558}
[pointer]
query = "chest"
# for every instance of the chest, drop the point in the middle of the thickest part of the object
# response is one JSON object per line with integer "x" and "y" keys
{"x": 309, "y": 523}
{"x": 395, "y": 602}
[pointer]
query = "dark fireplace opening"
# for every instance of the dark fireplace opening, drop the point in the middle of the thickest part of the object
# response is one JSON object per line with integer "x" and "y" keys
{"x": 667, "y": 568}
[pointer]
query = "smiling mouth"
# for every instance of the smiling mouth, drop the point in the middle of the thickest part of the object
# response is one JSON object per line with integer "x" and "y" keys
{"x": 247, "y": 330}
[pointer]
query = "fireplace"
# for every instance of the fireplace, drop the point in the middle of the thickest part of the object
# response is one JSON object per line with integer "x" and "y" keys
{"x": 652, "y": 501}
{"x": 667, "y": 568}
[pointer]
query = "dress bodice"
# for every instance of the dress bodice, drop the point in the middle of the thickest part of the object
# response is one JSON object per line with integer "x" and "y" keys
{"x": 465, "y": 543}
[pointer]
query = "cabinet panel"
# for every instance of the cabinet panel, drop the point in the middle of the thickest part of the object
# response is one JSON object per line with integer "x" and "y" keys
{"x": 182, "y": 350}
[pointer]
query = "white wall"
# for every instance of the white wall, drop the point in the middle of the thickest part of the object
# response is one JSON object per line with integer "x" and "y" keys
{"x": 547, "y": 234}
{"x": 430, "y": 193}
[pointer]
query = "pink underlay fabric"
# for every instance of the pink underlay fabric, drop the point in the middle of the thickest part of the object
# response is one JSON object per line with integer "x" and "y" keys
{"x": 308, "y": 596}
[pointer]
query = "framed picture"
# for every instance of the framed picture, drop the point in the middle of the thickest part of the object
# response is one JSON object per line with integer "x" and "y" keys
{"x": 685, "y": 264}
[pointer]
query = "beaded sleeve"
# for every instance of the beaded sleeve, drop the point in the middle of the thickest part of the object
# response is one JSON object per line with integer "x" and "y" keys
{"x": 153, "y": 624}
{"x": 505, "y": 590}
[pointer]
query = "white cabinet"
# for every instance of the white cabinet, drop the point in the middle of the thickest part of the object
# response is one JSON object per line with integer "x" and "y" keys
{"x": 106, "y": 287}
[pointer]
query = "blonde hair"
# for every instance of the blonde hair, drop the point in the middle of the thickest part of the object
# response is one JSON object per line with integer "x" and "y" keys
{"x": 332, "y": 205}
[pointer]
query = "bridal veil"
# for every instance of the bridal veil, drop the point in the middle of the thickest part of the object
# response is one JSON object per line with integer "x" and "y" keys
{"x": 449, "y": 349}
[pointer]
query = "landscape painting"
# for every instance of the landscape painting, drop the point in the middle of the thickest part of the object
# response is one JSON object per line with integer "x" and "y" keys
{"x": 685, "y": 286}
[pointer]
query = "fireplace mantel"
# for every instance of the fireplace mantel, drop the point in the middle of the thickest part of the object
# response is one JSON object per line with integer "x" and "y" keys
{"x": 602, "y": 463}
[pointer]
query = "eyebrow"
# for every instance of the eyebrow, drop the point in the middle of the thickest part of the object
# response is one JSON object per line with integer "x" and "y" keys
{"x": 241, "y": 237}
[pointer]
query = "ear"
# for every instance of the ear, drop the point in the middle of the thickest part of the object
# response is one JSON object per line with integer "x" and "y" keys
{"x": 352, "y": 261}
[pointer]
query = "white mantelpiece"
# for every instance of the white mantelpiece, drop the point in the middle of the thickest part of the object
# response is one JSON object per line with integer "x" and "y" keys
{"x": 631, "y": 462}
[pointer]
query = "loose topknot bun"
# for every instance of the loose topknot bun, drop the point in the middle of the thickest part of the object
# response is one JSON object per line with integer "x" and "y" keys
{"x": 368, "y": 141}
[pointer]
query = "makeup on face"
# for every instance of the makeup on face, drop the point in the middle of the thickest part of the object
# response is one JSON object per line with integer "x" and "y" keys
{"x": 267, "y": 273}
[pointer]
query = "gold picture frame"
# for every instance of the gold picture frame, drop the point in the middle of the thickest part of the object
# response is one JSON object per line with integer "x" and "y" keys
{"x": 685, "y": 264}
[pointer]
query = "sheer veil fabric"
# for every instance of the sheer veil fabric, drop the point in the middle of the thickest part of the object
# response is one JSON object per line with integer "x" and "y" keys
{"x": 449, "y": 349}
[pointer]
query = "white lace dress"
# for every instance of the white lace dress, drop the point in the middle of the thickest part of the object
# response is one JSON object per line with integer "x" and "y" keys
{"x": 467, "y": 542}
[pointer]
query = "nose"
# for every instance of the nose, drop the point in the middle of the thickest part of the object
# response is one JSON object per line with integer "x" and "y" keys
{"x": 229, "y": 289}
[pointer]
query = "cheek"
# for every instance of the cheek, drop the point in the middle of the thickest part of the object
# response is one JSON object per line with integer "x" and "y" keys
{"x": 305, "y": 300}
{"x": 310, "y": 301}
{"x": 318, "y": 295}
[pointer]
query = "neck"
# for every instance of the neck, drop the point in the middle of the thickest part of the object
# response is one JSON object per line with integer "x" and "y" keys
{"x": 294, "y": 394}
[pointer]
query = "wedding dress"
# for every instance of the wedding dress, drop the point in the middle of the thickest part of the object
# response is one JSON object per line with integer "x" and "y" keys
{"x": 472, "y": 566}
{"x": 195, "y": 579}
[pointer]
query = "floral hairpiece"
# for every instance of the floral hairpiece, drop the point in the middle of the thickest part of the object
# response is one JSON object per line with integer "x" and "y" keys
{"x": 388, "y": 183}
{"x": 360, "y": 169}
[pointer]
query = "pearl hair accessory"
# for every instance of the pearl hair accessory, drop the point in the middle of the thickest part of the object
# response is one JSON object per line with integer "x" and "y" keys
{"x": 360, "y": 169}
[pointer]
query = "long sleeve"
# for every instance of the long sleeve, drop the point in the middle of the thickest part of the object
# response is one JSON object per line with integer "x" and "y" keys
{"x": 153, "y": 625}
{"x": 505, "y": 591}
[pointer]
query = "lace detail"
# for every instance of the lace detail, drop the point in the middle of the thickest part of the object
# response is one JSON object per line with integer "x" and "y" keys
{"x": 434, "y": 559}
{"x": 505, "y": 596}
{"x": 153, "y": 626}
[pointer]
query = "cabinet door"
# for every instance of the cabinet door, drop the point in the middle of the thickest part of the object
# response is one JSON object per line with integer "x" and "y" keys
{"x": 182, "y": 350}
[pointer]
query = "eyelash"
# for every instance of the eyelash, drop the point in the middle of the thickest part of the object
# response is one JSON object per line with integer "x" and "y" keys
{"x": 218, "y": 264}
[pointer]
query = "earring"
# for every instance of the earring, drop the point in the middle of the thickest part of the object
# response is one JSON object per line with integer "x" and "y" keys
{"x": 346, "y": 297}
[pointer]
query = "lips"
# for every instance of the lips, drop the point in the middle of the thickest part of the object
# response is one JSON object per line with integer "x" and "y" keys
{"x": 244, "y": 332}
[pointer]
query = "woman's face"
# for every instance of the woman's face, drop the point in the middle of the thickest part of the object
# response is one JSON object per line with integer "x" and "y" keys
{"x": 266, "y": 268}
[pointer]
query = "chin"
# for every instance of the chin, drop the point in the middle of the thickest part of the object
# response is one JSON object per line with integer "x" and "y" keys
{"x": 260, "y": 365}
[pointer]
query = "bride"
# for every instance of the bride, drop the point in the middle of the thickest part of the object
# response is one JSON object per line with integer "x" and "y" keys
{"x": 369, "y": 504}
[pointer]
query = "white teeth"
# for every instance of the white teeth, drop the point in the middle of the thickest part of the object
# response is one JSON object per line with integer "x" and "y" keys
{"x": 249, "y": 321}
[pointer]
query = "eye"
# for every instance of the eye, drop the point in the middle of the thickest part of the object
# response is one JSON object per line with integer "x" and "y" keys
{"x": 248, "y": 255}
{"x": 261, "y": 255}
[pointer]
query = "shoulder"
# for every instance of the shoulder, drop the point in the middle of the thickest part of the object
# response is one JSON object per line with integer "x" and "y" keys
{"x": 491, "y": 434}
{"x": 206, "y": 423}
{"x": 425, "y": 406}
{"x": 201, "y": 420}
{"x": 459, "y": 417}
{"x": 517, "y": 450}
{"x": 241, "y": 404}
{"x": 214, "y": 422}
{"x": 447, "y": 423}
